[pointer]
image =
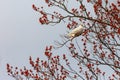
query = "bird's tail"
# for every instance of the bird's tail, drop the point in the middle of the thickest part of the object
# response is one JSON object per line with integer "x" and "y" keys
{"x": 66, "y": 36}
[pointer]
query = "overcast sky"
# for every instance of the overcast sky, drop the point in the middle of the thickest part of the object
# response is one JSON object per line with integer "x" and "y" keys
{"x": 21, "y": 35}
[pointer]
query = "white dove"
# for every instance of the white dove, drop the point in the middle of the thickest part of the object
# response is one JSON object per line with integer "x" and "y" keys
{"x": 75, "y": 32}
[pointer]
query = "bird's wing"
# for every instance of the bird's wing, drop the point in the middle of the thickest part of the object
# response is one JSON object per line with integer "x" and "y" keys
{"x": 75, "y": 32}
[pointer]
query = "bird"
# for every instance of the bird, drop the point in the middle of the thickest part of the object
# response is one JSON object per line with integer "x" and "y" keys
{"x": 75, "y": 32}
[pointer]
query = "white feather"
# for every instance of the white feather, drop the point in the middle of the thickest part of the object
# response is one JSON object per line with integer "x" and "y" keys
{"x": 75, "y": 32}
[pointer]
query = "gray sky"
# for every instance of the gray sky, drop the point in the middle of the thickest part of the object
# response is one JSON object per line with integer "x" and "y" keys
{"x": 21, "y": 35}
